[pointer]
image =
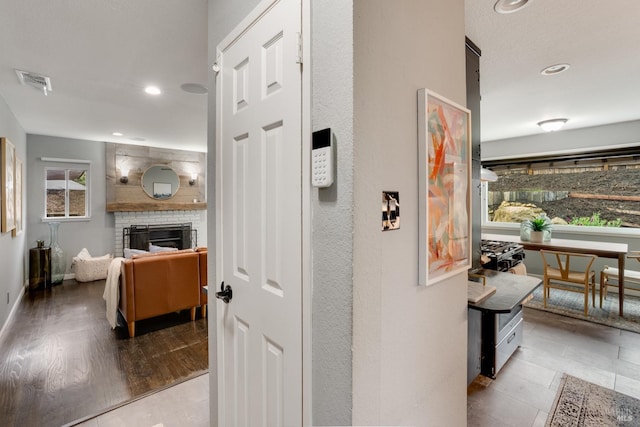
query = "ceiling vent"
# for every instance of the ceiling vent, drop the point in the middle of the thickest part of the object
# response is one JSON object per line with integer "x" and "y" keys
{"x": 38, "y": 81}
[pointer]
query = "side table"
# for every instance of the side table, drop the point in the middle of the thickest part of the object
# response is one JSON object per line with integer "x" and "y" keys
{"x": 39, "y": 268}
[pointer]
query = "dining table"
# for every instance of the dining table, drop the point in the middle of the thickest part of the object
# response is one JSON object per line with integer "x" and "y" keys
{"x": 602, "y": 249}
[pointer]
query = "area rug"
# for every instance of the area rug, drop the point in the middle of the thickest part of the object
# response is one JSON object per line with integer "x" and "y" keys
{"x": 571, "y": 304}
{"x": 582, "y": 404}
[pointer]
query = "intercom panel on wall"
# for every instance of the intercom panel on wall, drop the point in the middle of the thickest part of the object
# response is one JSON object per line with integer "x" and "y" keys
{"x": 322, "y": 168}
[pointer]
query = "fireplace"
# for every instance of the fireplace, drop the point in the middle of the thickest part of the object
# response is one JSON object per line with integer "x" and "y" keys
{"x": 179, "y": 236}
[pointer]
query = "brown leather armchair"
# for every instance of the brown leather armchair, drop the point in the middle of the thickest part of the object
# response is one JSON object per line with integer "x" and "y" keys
{"x": 157, "y": 284}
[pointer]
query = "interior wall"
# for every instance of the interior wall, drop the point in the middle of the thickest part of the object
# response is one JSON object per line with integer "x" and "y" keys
{"x": 95, "y": 234}
{"x": 409, "y": 342}
{"x": 332, "y": 105}
{"x": 13, "y": 263}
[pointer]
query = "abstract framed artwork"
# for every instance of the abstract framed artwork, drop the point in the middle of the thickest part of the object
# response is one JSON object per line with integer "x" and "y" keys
{"x": 18, "y": 198}
{"x": 8, "y": 151}
{"x": 444, "y": 153}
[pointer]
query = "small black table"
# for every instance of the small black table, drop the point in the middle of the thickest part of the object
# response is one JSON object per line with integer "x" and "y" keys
{"x": 39, "y": 268}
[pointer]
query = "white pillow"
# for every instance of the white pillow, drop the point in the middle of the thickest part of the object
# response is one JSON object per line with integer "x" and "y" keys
{"x": 83, "y": 254}
{"x": 96, "y": 258}
{"x": 154, "y": 248}
{"x": 128, "y": 253}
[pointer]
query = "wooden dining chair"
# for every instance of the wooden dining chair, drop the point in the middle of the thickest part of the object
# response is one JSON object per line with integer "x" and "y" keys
{"x": 558, "y": 274}
{"x": 631, "y": 277}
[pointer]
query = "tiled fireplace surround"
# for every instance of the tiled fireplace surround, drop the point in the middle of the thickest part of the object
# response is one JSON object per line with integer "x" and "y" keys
{"x": 127, "y": 219}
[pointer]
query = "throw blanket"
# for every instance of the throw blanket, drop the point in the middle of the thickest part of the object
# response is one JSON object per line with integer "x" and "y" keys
{"x": 112, "y": 291}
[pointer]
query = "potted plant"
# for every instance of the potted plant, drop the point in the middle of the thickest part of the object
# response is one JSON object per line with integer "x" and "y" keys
{"x": 537, "y": 227}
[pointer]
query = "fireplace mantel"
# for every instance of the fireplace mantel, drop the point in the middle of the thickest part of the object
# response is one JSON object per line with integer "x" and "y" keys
{"x": 155, "y": 206}
{"x": 129, "y": 196}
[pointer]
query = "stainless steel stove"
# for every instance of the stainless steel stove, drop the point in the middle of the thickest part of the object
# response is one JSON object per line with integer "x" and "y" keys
{"x": 501, "y": 331}
{"x": 500, "y": 256}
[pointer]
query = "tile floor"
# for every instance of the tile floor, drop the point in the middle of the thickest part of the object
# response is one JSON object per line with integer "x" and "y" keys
{"x": 185, "y": 404}
{"x": 520, "y": 396}
{"x": 524, "y": 390}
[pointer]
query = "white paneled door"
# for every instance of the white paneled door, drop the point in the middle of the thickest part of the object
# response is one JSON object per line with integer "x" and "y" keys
{"x": 258, "y": 161}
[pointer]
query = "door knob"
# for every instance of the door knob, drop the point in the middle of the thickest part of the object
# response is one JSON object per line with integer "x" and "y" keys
{"x": 225, "y": 293}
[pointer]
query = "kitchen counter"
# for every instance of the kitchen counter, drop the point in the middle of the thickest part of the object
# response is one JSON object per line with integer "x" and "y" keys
{"x": 511, "y": 290}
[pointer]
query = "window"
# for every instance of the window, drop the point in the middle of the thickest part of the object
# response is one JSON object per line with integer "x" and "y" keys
{"x": 591, "y": 189}
{"x": 67, "y": 192}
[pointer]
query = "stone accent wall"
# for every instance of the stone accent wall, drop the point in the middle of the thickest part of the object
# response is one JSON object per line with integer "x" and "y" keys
{"x": 127, "y": 219}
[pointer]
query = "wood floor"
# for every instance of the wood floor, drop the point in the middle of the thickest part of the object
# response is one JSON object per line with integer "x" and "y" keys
{"x": 61, "y": 361}
{"x": 524, "y": 390}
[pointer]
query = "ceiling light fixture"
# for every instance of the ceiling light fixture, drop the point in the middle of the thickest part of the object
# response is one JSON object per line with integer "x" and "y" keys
{"x": 117, "y": 134}
{"x": 552, "y": 70}
{"x": 152, "y": 90}
{"x": 552, "y": 124}
{"x": 509, "y": 6}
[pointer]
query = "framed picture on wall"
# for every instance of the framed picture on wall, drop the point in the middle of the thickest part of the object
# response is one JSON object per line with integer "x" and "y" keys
{"x": 18, "y": 198}
{"x": 444, "y": 153}
{"x": 162, "y": 190}
{"x": 8, "y": 151}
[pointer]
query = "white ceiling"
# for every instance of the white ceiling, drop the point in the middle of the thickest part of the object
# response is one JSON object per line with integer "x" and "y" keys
{"x": 599, "y": 39}
{"x": 100, "y": 55}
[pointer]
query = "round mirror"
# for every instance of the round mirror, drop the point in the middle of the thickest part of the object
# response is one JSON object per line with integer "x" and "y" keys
{"x": 160, "y": 182}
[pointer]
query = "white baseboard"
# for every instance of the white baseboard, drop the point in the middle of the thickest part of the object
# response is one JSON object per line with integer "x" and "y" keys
{"x": 13, "y": 310}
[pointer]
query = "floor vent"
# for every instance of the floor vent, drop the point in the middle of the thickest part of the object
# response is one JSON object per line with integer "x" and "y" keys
{"x": 38, "y": 81}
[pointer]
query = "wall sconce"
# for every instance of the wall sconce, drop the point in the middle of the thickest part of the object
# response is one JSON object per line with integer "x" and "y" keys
{"x": 194, "y": 177}
{"x": 124, "y": 175}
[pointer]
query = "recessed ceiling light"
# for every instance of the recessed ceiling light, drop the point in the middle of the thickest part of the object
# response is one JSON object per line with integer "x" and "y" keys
{"x": 117, "y": 134}
{"x": 552, "y": 70}
{"x": 552, "y": 125}
{"x": 152, "y": 90}
{"x": 196, "y": 88}
{"x": 509, "y": 6}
